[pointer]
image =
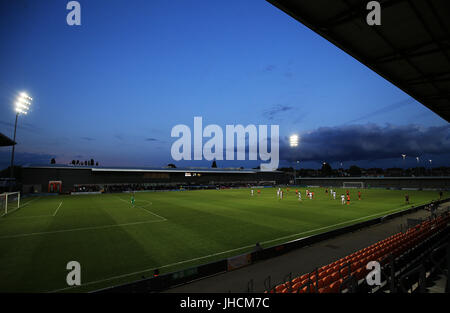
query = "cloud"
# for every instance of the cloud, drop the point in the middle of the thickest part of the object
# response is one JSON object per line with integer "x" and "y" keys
{"x": 21, "y": 125}
{"x": 276, "y": 110}
{"x": 367, "y": 142}
{"x": 151, "y": 139}
{"x": 23, "y": 158}
{"x": 269, "y": 68}
{"x": 87, "y": 138}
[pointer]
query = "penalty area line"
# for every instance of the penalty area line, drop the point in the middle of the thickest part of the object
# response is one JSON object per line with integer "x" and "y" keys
{"x": 159, "y": 216}
{"x": 79, "y": 229}
{"x": 54, "y": 214}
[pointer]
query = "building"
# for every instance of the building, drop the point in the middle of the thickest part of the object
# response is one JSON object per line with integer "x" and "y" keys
{"x": 65, "y": 179}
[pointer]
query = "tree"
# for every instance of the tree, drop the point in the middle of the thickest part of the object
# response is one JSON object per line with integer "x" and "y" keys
{"x": 92, "y": 162}
{"x": 85, "y": 163}
{"x": 96, "y": 164}
{"x": 354, "y": 170}
{"x": 78, "y": 162}
{"x": 171, "y": 165}
{"x": 53, "y": 161}
{"x": 214, "y": 164}
{"x": 73, "y": 162}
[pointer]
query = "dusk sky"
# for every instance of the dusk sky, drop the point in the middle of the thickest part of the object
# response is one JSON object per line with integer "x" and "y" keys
{"x": 113, "y": 88}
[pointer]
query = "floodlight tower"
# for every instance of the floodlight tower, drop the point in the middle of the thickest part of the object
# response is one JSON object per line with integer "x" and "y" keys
{"x": 295, "y": 173}
{"x": 403, "y": 165}
{"x": 431, "y": 167}
{"x": 418, "y": 170}
{"x": 293, "y": 142}
{"x": 22, "y": 105}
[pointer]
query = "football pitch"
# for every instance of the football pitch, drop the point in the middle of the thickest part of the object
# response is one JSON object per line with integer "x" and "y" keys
{"x": 116, "y": 243}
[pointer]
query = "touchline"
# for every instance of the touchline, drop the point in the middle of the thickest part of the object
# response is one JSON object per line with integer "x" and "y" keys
{"x": 213, "y": 148}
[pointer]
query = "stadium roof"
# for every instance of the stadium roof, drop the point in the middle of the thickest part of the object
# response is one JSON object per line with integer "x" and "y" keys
{"x": 411, "y": 47}
{"x": 5, "y": 141}
{"x": 143, "y": 169}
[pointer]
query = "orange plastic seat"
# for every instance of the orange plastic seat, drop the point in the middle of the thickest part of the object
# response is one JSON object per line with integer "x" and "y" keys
{"x": 279, "y": 288}
{"x": 334, "y": 287}
{"x": 334, "y": 276}
{"x": 326, "y": 280}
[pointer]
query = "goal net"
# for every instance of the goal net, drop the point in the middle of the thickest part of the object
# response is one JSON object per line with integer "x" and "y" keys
{"x": 353, "y": 184}
{"x": 9, "y": 202}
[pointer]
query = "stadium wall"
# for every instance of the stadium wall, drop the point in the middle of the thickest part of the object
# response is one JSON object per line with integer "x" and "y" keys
{"x": 438, "y": 183}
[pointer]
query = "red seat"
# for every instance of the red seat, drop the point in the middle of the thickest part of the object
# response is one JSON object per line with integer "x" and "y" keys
{"x": 327, "y": 280}
{"x": 324, "y": 289}
{"x": 279, "y": 288}
{"x": 334, "y": 287}
{"x": 296, "y": 280}
{"x": 335, "y": 276}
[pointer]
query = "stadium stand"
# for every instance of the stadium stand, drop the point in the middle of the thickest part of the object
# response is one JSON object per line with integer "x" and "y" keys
{"x": 407, "y": 257}
{"x": 6, "y": 141}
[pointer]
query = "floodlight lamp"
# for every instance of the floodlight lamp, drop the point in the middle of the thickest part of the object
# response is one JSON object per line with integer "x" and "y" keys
{"x": 23, "y": 103}
{"x": 293, "y": 141}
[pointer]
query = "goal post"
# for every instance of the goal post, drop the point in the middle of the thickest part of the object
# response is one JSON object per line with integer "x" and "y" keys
{"x": 9, "y": 202}
{"x": 357, "y": 184}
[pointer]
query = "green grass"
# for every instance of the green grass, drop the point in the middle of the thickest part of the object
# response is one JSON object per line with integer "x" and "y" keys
{"x": 116, "y": 243}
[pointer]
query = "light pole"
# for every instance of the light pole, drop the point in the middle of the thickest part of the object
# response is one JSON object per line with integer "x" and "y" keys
{"x": 431, "y": 167}
{"x": 418, "y": 170}
{"x": 403, "y": 165}
{"x": 293, "y": 142}
{"x": 295, "y": 173}
{"x": 23, "y": 103}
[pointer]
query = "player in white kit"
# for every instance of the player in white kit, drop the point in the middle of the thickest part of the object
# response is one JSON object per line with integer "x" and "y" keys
{"x": 342, "y": 199}
{"x": 334, "y": 195}
{"x": 299, "y": 196}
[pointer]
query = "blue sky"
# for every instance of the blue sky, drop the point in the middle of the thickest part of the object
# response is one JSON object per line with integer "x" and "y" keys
{"x": 113, "y": 88}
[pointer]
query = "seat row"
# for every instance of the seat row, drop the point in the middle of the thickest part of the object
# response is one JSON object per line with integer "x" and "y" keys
{"x": 329, "y": 278}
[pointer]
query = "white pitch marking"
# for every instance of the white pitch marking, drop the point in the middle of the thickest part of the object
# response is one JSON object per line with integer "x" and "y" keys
{"x": 163, "y": 218}
{"x": 219, "y": 253}
{"x": 28, "y": 202}
{"x": 54, "y": 214}
{"x": 78, "y": 229}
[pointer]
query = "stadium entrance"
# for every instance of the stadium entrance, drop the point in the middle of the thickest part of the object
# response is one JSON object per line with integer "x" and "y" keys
{"x": 54, "y": 186}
